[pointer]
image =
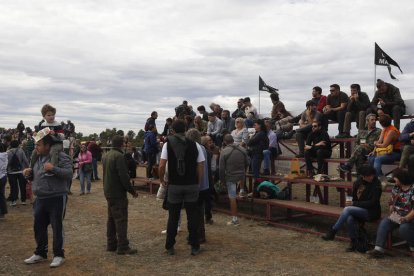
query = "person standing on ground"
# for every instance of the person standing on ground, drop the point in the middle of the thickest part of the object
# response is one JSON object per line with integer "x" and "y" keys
{"x": 16, "y": 164}
{"x": 3, "y": 180}
{"x": 116, "y": 185}
{"x": 96, "y": 152}
{"x": 233, "y": 164}
{"x": 151, "y": 149}
{"x": 85, "y": 172}
{"x": 185, "y": 173}
{"x": 50, "y": 204}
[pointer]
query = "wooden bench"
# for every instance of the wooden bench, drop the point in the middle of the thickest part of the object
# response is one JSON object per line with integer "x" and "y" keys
{"x": 343, "y": 187}
{"x": 145, "y": 183}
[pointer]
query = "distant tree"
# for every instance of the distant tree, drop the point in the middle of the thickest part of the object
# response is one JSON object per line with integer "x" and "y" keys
{"x": 79, "y": 135}
{"x": 120, "y": 132}
{"x": 141, "y": 134}
{"x": 131, "y": 135}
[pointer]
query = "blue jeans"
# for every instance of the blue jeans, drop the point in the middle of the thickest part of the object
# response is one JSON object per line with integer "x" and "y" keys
{"x": 255, "y": 163}
{"x": 267, "y": 157}
{"x": 82, "y": 177}
{"x": 17, "y": 181}
{"x": 95, "y": 168}
{"x": 49, "y": 211}
{"x": 377, "y": 161}
{"x": 351, "y": 215}
{"x": 406, "y": 232}
{"x": 3, "y": 205}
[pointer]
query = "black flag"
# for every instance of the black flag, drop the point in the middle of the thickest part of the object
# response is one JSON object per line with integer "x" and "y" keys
{"x": 381, "y": 58}
{"x": 264, "y": 87}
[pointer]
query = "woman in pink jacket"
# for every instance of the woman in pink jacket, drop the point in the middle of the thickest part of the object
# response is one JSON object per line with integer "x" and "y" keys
{"x": 85, "y": 169}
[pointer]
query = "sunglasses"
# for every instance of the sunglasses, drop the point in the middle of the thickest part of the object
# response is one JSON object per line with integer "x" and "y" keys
{"x": 315, "y": 126}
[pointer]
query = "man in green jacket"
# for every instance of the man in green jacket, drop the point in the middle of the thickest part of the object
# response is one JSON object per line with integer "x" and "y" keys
{"x": 116, "y": 185}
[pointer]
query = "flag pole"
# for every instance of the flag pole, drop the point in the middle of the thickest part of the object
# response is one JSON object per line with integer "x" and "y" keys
{"x": 375, "y": 78}
{"x": 375, "y": 69}
{"x": 259, "y": 101}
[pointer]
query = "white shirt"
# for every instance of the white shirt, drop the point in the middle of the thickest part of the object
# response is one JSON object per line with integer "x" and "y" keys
{"x": 200, "y": 156}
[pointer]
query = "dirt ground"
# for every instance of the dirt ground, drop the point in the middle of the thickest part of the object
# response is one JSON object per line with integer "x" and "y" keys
{"x": 253, "y": 248}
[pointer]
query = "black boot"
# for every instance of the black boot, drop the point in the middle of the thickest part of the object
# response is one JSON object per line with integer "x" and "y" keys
{"x": 351, "y": 247}
{"x": 330, "y": 235}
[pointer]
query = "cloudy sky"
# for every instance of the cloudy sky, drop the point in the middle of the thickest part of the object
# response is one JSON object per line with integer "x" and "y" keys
{"x": 106, "y": 64}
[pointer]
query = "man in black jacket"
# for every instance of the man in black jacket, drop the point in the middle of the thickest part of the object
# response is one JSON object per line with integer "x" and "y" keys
{"x": 364, "y": 206}
{"x": 355, "y": 110}
{"x": 318, "y": 145}
{"x": 387, "y": 100}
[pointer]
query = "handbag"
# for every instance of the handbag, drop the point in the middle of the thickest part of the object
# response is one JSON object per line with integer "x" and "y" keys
{"x": 87, "y": 167}
{"x": 383, "y": 151}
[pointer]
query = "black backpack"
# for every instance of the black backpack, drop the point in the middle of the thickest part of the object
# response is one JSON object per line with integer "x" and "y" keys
{"x": 15, "y": 165}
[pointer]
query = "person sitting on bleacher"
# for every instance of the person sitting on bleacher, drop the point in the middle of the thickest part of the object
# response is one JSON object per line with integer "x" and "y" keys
{"x": 318, "y": 145}
{"x": 281, "y": 118}
{"x": 335, "y": 108}
{"x": 318, "y": 98}
{"x": 365, "y": 206}
{"x": 365, "y": 141}
{"x": 387, "y": 148}
{"x": 271, "y": 152}
{"x": 407, "y": 155}
{"x": 305, "y": 125}
{"x": 387, "y": 100}
{"x": 401, "y": 208}
{"x": 355, "y": 110}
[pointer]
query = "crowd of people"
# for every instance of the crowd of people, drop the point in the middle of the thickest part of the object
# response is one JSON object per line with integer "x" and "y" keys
{"x": 241, "y": 140}
{"x": 197, "y": 153}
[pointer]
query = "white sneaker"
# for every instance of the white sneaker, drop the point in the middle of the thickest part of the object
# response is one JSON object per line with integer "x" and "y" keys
{"x": 13, "y": 203}
{"x": 165, "y": 231}
{"x": 34, "y": 259}
{"x": 57, "y": 261}
{"x": 233, "y": 223}
{"x": 23, "y": 203}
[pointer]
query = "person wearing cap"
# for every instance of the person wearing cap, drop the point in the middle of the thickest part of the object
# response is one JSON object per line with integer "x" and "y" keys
{"x": 50, "y": 204}
{"x": 305, "y": 126}
{"x": 387, "y": 100}
{"x": 355, "y": 110}
{"x": 364, "y": 206}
